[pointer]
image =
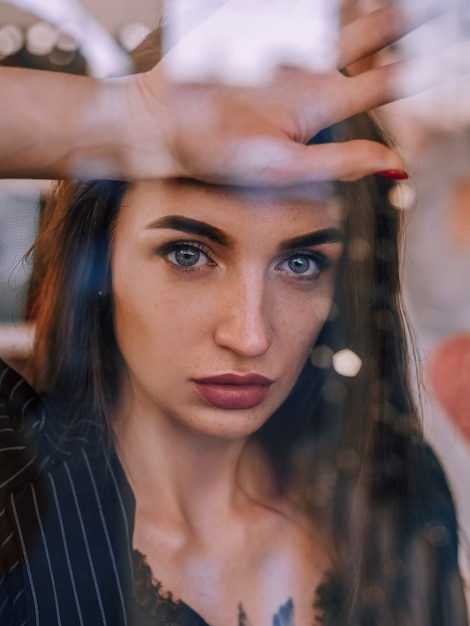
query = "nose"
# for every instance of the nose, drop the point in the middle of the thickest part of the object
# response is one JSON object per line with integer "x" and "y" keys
{"x": 244, "y": 325}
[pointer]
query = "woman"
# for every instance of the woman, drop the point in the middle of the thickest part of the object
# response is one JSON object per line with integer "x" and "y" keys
{"x": 191, "y": 429}
{"x": 173, "y": 363}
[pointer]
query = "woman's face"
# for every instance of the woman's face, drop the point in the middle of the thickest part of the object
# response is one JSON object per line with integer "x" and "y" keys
{"x": 219, "y": 296}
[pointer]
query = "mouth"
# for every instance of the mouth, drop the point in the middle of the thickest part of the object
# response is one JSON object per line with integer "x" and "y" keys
{"x": 234, "y": 391}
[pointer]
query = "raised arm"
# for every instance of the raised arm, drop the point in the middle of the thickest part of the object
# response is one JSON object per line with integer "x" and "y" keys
{"x": 148, "y": 126}
{"x": 55, "y": 125}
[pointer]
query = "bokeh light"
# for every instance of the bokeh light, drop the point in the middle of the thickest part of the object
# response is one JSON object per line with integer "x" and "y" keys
{"x": 347, "y": 363}
{"x": 41, "y": 38}
{"x": 11, "y": 40}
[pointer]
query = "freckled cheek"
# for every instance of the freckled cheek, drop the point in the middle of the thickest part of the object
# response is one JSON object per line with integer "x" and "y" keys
{"x": 305, "y": 312}
{"x": 135, "y": 306}
{"x": 302, "y": 337}
{"x": 322, "y": 307}
{"x": 151, "y": 313}
{"x": 299, "y": 323}
{"x": 321, "y": 304}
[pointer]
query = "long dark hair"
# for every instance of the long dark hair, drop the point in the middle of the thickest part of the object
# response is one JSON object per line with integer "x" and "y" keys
{"x": 352, "y": 446}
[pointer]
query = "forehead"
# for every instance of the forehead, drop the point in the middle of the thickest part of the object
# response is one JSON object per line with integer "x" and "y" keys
{"x": 310, "y": 207}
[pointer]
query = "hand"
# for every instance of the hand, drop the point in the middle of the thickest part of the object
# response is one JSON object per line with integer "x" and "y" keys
{"x": 256, "y": 136}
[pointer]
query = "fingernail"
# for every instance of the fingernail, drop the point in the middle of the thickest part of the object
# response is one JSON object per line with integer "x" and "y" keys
{"x": 395, "y": 174}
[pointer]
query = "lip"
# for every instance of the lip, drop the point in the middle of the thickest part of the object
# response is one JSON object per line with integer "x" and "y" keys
{"x": 234, "y": 391}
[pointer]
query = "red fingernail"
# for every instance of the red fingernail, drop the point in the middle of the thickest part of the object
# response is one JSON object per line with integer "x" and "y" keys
{"x": 395, "y": 174}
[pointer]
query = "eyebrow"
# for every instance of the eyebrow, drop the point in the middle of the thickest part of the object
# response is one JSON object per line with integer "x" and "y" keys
{"x": 192, "y": 227}
{"x": 318, "y": 237}
{"x": 197, "y": 227}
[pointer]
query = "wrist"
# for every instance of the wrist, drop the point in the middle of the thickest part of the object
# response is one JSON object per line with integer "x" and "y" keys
{"x": 145, "y": 127}
{"x": 98, "y": 149}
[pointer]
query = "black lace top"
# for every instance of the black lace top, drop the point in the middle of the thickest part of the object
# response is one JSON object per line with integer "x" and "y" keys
{"x": 151, "y": 602}
{"x": 155, "y": 607}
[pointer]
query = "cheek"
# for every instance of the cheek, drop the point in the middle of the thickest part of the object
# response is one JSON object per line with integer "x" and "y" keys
{"x": 303, "y": 314}
{"x": 321, "y": 307}
{"x": 136, "y": 307}
{"x": 153, "y": 319}
{"x": 298, "y": 325}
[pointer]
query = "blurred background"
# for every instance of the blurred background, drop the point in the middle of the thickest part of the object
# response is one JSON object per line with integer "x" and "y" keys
{"x": 433, "y": 131}
{"x": 86, "y": 37}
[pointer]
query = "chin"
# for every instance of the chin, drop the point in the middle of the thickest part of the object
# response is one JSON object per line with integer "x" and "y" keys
{"x": 225, "y": 424}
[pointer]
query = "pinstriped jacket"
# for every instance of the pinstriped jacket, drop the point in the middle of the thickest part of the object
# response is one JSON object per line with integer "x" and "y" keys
{"x": 65, "y": 522}
{"x": 66, "y": 525}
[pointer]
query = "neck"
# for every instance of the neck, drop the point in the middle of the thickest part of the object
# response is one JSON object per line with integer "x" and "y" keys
{"x": 185, "y": 477}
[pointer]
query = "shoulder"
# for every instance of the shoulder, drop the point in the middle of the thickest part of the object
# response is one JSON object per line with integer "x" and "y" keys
{"x": 433, "y": 502}
{"x": 21, "y": 423}
{"x": 410, "y": 485}
{"x": 65, "y": 524}
{"x": 425, "y": 539}
{"x": 15, "y": 392}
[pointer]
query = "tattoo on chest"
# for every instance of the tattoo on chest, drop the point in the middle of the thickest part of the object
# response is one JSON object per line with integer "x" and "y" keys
{"x": 284, "y": 616}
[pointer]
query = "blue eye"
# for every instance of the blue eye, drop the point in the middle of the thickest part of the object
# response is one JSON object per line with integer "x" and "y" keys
{"x": 187, "y": 256}
{"x": 303, "y": 265}
{"x": 299, "y": 264}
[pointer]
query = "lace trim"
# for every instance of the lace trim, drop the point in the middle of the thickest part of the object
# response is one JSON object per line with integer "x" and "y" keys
{"x": 166, "y": 611}
{"x": 159, "y": 604}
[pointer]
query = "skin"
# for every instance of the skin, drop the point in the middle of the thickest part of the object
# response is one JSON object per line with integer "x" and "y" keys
{"x": 148, "y": 126}
{"x": 197, "y": 476}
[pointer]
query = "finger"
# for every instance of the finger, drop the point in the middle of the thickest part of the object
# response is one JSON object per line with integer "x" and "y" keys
{"x": 346, "y": 96}
{"x": 385, "y": 84}
{"x": 370, "y": 33}
{"x": 280, "y": 163}
{"x": 348, "y": 161}
{"x": 369, "y": 90}
{"x": 376, "y": 30}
